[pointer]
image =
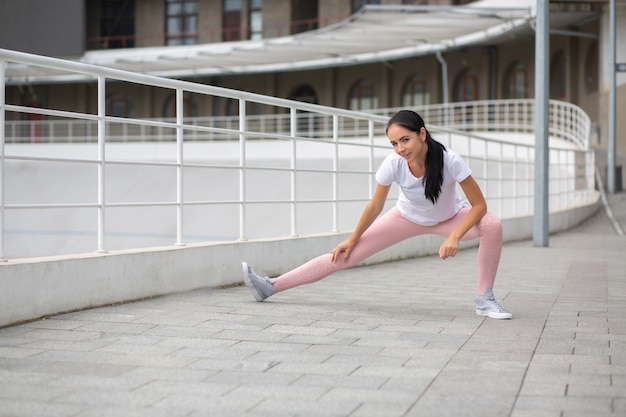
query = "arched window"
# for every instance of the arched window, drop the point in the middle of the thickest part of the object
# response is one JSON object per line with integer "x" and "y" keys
{"x": 516, "y": 81}
{"x": 306, "y": 121}
{"x": 415, "y": 93}
{"x": 466, "y": 86}
{"x": 363, "y": 96}
{"x": 119, "y": 105}
{"x": 558, "y": 76}
{"x": 304, "y": 93}
{"x": 591, "y": 69}
{"x": 232, "y": 108}
{"x": 190, "y": 106}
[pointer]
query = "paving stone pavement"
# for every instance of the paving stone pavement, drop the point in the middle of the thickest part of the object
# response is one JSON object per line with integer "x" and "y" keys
{"x": 396, "y": 339}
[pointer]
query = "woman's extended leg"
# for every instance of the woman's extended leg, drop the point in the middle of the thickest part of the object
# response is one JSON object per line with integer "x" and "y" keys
{"x": 387, "y": 230}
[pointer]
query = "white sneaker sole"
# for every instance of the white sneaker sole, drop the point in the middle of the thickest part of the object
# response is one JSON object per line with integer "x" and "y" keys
{"x": 246, "y": 279}
{"x": 494, "y": 315}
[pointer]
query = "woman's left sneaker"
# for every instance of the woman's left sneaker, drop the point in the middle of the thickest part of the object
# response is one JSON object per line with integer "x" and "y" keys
{"x": 486, "y": 305}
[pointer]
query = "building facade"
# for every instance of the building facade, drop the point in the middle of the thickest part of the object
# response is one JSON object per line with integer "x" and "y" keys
{"x": 579, "y": 72}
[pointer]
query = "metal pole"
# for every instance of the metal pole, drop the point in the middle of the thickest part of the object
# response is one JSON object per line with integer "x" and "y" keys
{"x": 335, "y": 173}
{"x": 610, "y": 177}
{"x": 242, "y": 169}
{"x": 180, "y": 134}
{"x": 444, "y": 81}
{"x": 101, "y": 160}
{"x": 542, "y": 153}
{"x": 293, "y": 127}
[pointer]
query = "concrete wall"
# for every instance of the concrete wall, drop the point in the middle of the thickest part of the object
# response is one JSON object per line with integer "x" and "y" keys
{"x": 40, "y": 287}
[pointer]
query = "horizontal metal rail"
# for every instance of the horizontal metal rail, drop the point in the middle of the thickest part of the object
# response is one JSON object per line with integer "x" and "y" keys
{"x": 301, "y": 169}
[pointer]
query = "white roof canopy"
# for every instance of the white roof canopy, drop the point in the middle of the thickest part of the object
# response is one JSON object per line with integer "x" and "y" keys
{"x": 374, "y": 34}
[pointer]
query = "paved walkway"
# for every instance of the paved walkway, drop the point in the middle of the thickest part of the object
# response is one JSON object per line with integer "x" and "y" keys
{"x": 398, "y": 339}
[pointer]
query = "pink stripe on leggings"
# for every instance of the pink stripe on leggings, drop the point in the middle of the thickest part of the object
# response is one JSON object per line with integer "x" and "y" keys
{"x": 392, "y": 228}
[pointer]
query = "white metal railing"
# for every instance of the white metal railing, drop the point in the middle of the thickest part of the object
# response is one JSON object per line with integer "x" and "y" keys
{"x": 258, "y": 171}
{"x": 567, "y": 121}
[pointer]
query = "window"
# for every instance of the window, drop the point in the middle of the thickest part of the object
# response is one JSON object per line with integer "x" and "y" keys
{"x": 231, "y": 20}
{"x": 515, "y": 81}
{"x": 255, "y": 20}
{"x": 181, "y": 22}
{"x": 466, "y": 86}
{"x": 358, "y": 4}
{"x": 415, "y": 93}
{"x": 232, "y": 108}
{"x": 119, "y": 105}
{"x": 117, "y": 24}
{"x": 363, "y": 96}
{"x": 306, "y": 121}
{"x": 304, "y": 93}
{"x": 558, "y": 76}
{"x": 304, "y": 15}
{"x": 591, "y": 69}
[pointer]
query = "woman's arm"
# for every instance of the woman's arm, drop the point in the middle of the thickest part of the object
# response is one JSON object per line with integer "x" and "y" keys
{"x": 370, "y": 213}
{"x": 479, "y": 208}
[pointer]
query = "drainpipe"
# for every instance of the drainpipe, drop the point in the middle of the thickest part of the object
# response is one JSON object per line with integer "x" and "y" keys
{"x": 493, "y": 82}
{"x": 444, "y": 80}
{"x": 493, "y": 72}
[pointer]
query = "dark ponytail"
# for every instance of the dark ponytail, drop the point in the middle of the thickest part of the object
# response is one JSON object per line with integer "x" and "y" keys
{"x": 434, "y": 156}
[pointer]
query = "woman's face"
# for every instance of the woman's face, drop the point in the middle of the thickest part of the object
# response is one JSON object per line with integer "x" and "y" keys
{"x": 408, "y": 144}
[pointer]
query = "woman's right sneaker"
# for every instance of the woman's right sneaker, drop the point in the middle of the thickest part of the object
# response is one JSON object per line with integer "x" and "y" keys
{"x": 261, "y": 287}
{"x": 486, "y": 305}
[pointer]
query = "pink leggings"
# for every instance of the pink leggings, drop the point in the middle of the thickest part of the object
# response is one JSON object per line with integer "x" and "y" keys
{"x": 392, "y": 228}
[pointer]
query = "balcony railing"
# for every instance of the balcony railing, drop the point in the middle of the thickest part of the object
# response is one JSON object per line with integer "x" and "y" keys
{"x": 109, "y": 183}
{"x": 567, "y": 122}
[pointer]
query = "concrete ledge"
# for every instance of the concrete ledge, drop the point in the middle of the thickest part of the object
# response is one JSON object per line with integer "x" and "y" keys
{"x": 34, "y": 288}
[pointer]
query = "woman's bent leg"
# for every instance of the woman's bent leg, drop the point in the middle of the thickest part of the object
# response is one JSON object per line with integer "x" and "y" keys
{"x": 387, "y": 230}
{"x": 489, "y": 251}
{"x": 489, "y": 230}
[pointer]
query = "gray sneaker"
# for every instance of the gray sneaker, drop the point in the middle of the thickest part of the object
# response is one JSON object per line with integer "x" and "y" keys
{"x": 486, "y": 305}
{"x": 261, "y": 287}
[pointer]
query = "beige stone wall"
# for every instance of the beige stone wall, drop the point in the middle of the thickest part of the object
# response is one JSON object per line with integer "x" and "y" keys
{"x": 276, "y": 18}
{"x": 210, "y": 21}
{"x": 333, "y": 11}
{"x": 149, "y": 23}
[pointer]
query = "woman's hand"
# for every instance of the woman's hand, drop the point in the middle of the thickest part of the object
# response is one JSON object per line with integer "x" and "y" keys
{"x": 371, "y": 211}
{"x": 449, "y": 247}
{"x": 478, "y": 209}
{"x": 346, "y": 247}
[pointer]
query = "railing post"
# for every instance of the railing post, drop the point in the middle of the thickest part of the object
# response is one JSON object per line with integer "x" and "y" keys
{"x": 370, "y": 133}
{"x": 336, "y": 174}
{"x": 179, "y": 166}
{"x": 293, "y": 127}
{"x": 101, "y": 160}
{"x": 242, "y": 169}
{"x": 2, "y": 139}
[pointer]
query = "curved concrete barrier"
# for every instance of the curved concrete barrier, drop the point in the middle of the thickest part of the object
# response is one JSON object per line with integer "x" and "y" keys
{"x": 34, "y": 288}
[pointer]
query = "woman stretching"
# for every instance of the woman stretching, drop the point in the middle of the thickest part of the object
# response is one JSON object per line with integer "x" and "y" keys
{"x": 426, "y": 173}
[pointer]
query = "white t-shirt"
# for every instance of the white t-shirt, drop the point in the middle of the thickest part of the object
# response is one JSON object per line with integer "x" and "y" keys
{"x": 412, "y": 203}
